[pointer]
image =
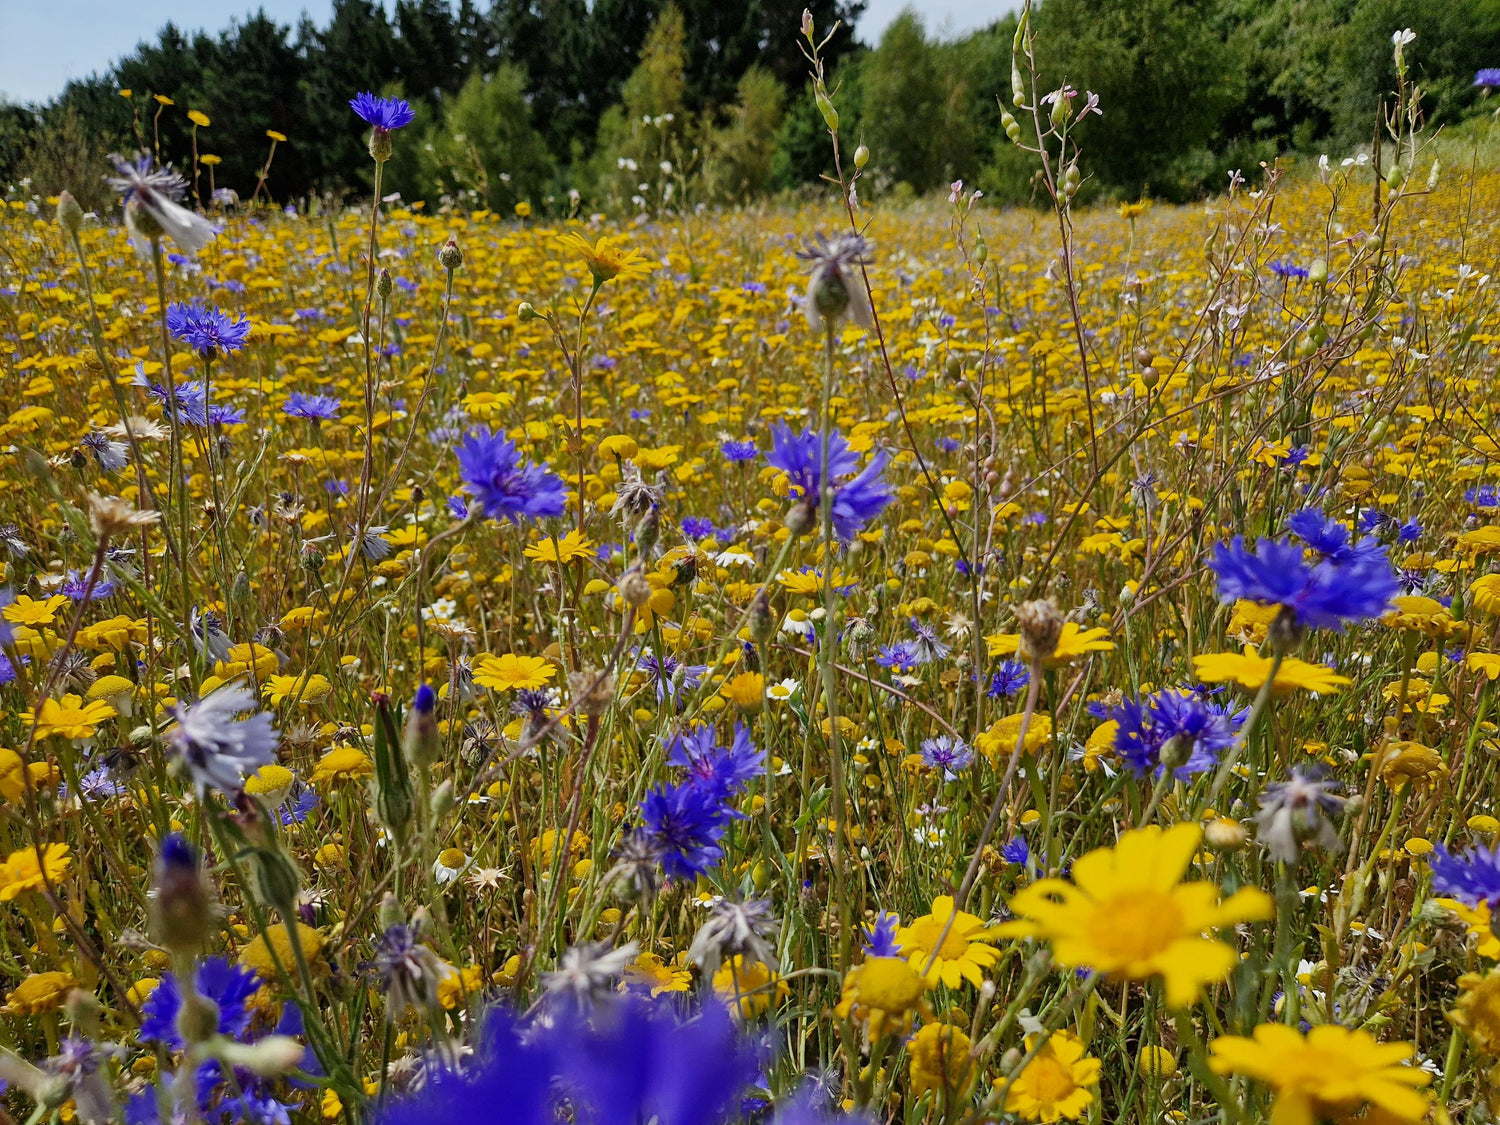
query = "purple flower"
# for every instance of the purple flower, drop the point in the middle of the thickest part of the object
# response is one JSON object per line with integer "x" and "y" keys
{"x": 207, "y": 331}
{"x": 1488, "y": 78}
{"x": 505, "y": 486}
{"x": 229, "y": 986}
{"x": 1328, "y": 595}
{"x": 902, "y": 657}
{"x": 1202, "y": 731}
{"x": 946, "y": 753}
{"x": 1471, "y": 878}
{"x": 385, "y": 114}
{"x": 669, "y": 675}
{"x": 880, "y": 938}
{"x": 1016, "y": 851}
{"x": 155, "y": 192}
{"x": 855, "y": 502}
{"x": 217, "y": 749}
{"x": 1009, "y": 680}
{"x": 734, "y": 451}
{"x": 1286, "y": 270}
{"x": 315, "y": 408}
{"x": 721, "y": 770}
{"x": 685, "y": 823}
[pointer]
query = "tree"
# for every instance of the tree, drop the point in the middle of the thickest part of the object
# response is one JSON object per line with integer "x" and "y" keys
{"x": 904, "y": 105}
{"x": 740, "y": 154}
{"x": 487, "y": 143}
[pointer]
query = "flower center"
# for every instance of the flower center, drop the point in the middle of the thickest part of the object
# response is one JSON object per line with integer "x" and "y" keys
{"x": 1050, "y": 1081}
{"x": 1136, "y": 926}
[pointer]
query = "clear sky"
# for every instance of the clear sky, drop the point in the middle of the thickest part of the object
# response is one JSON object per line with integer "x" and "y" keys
{"x": 44, "y": 43}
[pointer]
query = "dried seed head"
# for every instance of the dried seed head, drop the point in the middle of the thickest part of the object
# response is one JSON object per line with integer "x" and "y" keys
{"x": 1041, "y": 625}
{"x": 111, "y": 517}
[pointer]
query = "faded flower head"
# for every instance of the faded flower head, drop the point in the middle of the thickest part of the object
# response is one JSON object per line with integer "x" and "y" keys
{"x": 836, "y": 285}
{"x": 1295, "y": 814}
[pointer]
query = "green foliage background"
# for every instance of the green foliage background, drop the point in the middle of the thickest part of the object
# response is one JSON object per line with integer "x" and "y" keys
{"x": 648, "y": 103}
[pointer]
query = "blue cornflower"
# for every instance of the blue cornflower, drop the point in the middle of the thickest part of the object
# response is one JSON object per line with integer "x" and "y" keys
{"x": 1483, "y": 496}
{"x": 721, "y": 770}
{"x": 228, "y": 985}
{"x": 946, "y": 753}
{"x": 734, "y": 451}
{"x": 696, "y": 527}
{"x": 684, "y": 824}
{"x": 217, "y": 749}
{"x": 207, "y": 331}
{"x": 669, "y": 675}
{"x": 880, "y": 937}
{"x": 1409, "y": 532}
{"x": 79, "y": 588}
{"x": 1009, "y": 680}
{"x": 1324, "y": 535}
{"x": 1327, "y": 595}
{"x": 902, "y": 657}
{"x": 1016, "y": 851}
{"x": 386, "y": 114}
{"x": 191, "y": 397}
{"x": 1471, "y": 878}
{"x": 315, "y": 408}
{"x": 112, "y": 455}
{"x": 1488, "y": 77}
{"x": 1148, "y": 725}
{"x": 925, "y": 641}
{"x": 855, "y": 502}
{"x": 1287, "y": 270}
{"x": 505, "y": 486}
{"x": 300, "y": 806}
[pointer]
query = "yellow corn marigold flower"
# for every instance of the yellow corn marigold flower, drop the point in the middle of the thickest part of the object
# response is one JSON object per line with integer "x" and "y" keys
{"x": 26, "y": 610}
{"x": 1074, "y": 641}
{"x": 512, "y": 672}
{"x": 307, "y": 689}
{"x": 606, "y": 262}
{"x": 750, "y": 988}
{"x": 342, "y": 763}
{"x": 69, "y": 717}
{"x": 1410, "y": 763}
{"x": 938, "y": 1059}
{"x": 1128, "y": 914}
{"x": 570, "y": 548}
{"x": 746, "y": 691}
{"x": 459, "y": 984}
{"x": 1477, "y": 920}
{"x": 883, "y": 993}
{"x": 198, "y": 118}
{"x": 1057, "y": 1085}
{"x": 40, "y": 992}
{"x": 20, "y": 872}
{"x": 13, "y": 777}
{"x": 1155, "y": 1062}
{"x": 620, "y": 446}
{"x": 966, "y": 949}
{"x": 1484, "y": 594}
{"x": 1000, "y": 740}
{"x": 649, "y": 973}
{"x": 543, "y": 847}
{"x": 1422, "y": 614}
{"x": 247, "y": 658}
{"x": 1249, "y": 670}
{"x": 1250, "y": 621}
{"x": 257, "y": 954}
{"x": 1329, "y": 1073}
{"x": 1478, "y": 1011}
{"x": 1486, "y": 664}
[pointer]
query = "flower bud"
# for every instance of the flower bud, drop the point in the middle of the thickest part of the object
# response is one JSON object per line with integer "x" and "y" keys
{"x": 181, "y": 907}
{"x": 825, "y": 107}
{"x": 802, "y": 517}
{"x": 276, "y": 880}
{"x": 383, "y": 284}
{"x": 391, "y": 913}
{"x": 198, "y": 1018}
{"x": 69, "y": 213}
{"x": 421, "y": 744}
{"x": 807, "y": 24}
{"x": 450, "y": 257}
{"x": 861, "y": 156}
{"x": 1285, "y": 633}
{"x": 1041, "y": 625}
{"x": 762, "y": 623}
{"x": 380, "y": 145}
{"x": 1060, "y": 107}
{"x": 1317, "y": 273}
{"x": 1225, "y": 835}
{"x": 635, "y": 589}
{"x": 527, "y": 311}
{"x": 443, "y": 800}
{"x": 981, "y": 250}
{"x": 648, "y": 532}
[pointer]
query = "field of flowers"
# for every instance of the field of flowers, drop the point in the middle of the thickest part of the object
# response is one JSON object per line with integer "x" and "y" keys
{"x": 921, "y": 664}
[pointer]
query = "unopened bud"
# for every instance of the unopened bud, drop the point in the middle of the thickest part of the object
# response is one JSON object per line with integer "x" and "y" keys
{"x": 981, "y": 250}
{"x": 825, "y": 107}
{"x": 1318, "y": 271}
{"x": 383, "y": 283}
{"x": 1224, "y": 835}
{"x": 1041, "y": 625}
{"x": 1060, "y": 107}
{"x": 648, "y": 532}
{"x": 801, "y": 518}
{"x": 635, "y": 589}
{"x": 198, "y": 1018}
{"x": 421, "y": 744}
{"x": 762, "y": 623}
{"x": 182, "y": 907}
{"x": 1285, "y": 632}
{"x": 861, "y": 156}
{"x": 268, "y": 1057}
{"x": 450, "y": 257}
{"x": 69, "y": 214}
{"x": 807, "y": 24}
{"x": 391, "y": 913}
{"x": 527, "y": 311}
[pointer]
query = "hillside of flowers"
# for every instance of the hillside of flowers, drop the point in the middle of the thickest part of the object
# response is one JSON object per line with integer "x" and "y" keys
{"x": 802, "y": 664}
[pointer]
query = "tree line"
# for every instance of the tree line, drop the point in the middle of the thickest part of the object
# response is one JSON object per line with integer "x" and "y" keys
{"x": 650, "y": 104}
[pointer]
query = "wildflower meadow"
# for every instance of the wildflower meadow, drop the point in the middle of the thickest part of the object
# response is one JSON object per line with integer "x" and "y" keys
{"x": 904, "y": 661}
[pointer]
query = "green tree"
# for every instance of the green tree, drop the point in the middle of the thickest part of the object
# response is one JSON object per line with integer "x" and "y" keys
{"x": 487, "y": 143}
{"x": 640, "y": 151}
{"x": 904, "y": 106}
{"x": 738, "y": 162}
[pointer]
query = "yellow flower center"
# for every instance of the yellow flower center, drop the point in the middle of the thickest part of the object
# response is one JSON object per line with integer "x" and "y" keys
{"x": 1137, "y": 926}
{"x": 925, "y": 933}
{"x": 1049, "y": 1079}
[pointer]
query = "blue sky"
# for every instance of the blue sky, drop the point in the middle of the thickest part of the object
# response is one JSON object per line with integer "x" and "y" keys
{"x": 44, "y": 43}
